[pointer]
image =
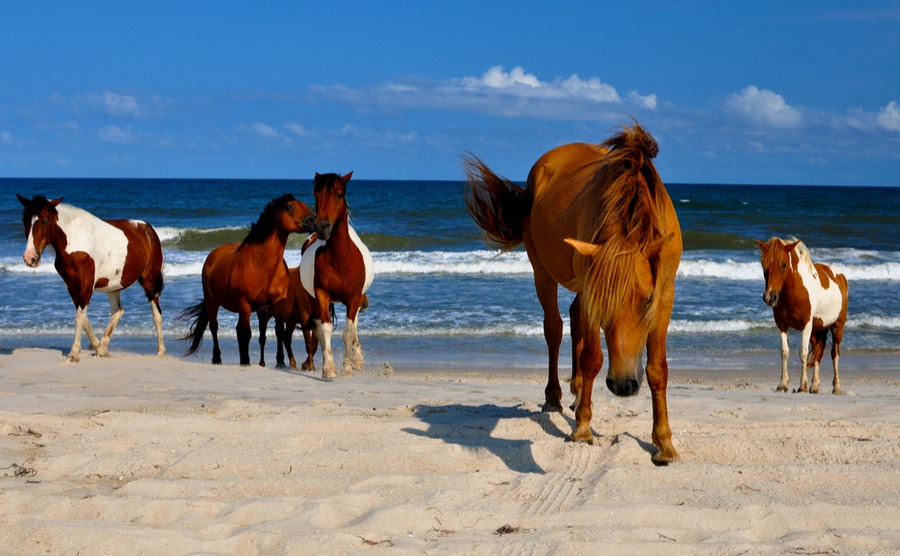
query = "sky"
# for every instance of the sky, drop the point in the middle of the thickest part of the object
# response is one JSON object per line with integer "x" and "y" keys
{"x": 736, "y": 92}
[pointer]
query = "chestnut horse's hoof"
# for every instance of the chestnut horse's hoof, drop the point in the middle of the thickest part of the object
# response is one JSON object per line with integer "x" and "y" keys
{"x": 664, "y": 457}
{"x": 552, "y": 407}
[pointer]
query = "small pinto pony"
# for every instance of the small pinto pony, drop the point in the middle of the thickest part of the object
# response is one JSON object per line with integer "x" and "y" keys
{"x": 247, "y": 277}
{"x": 95, "y": 255}
{"x": 337, "y": 267}
{"x": 597, "y": 220}
{"x": 805, "y": 296}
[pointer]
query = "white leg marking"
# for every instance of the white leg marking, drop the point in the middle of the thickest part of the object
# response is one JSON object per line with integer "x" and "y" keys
{"x": 785, "y": 352}
{"x": 804, "y": 356}
{"x": 157, "y": 321}
{"x": 115, "y": 313}
{"x": 323, "y": 331}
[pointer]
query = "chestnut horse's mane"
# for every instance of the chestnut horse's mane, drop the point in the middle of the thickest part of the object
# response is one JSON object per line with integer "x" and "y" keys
{"x": 630, "y": 200}
{"x": 773, "y": 252}
{"x": 265, "y": 225}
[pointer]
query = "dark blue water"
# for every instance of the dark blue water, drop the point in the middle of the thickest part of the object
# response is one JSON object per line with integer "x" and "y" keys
{"x": 440, "y": 297}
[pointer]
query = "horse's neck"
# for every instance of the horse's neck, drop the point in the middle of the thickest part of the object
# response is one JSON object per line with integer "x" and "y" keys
{"x": 79, "y": 227}
{"x": 275, "y": 244}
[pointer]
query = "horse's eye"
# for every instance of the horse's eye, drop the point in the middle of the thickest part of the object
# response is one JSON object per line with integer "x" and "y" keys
{"x": 45, "y": 221}
{"x": 783, "y": 266}
{"x": 340, "y": 195}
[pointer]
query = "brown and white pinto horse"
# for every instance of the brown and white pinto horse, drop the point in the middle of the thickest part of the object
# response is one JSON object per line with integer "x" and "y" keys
{"x": 337, "y": 267}
{"x": 597, "y": 220}
{"x": 805, "y": 296}
{"x": 247, "y": 277}
{"x": 95, "y": 255}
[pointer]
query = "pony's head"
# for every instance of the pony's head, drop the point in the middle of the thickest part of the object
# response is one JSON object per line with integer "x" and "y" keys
{"x": 285, "y": 214}
{"x": 331, "y": 202}
{"x": 40, "y": 222}
{"x": 622, "y": 299}
{"x": 779, "y": 260}
{"x": 622, "y": 280}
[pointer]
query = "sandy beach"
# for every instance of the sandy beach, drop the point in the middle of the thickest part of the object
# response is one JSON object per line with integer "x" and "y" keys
{"x": 135, "y": 454}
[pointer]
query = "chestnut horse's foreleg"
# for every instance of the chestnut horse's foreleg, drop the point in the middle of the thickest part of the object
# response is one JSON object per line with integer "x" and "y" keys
{"x": 785, "y": 352}
{"x": 658, "y": 380}
{"x": 312, "y": 344}
{"x": 244, "y": 334}
{"x": 546, "y": 288}
{"x": 589, "y": 363}
{"x": 81, "y": 321}
{"x": 157, "y": 322}
{"x": 115, "y": 314}
{"x": 577, "y": 346}
{"x": 280, "y": 344}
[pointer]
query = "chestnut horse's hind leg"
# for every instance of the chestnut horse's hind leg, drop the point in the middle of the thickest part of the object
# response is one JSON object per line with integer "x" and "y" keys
{"x": 244, "y": 334}
{"x": 213, "y": 312}
{"x": 115, "y": 314}
{"x": 546, "y": 288}
{"x": 263, "y": 318}
{"x": 577, "y": 346}
{"x": 353, "y": 354}
{"x": 837, "y": 334}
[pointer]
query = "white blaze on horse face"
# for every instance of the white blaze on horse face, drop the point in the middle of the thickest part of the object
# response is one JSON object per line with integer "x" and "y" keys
{"x": 30, "y": 256}
{"x": 103, "y": 242}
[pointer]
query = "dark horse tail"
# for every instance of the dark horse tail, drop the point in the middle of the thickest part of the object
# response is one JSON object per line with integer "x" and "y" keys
{"x": 497, "y": 205}
{"x": 199, "y": 321}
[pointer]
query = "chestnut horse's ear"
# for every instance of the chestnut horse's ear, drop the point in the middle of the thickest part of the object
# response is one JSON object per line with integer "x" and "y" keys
{"x": 761, "y": 244}
{"x": 345, "y": 179}
{"x": 655, "y": 248}
{"x": 790, "y": 246}
{"x": 23, "y": 200}
{"x": 583, "y": 247}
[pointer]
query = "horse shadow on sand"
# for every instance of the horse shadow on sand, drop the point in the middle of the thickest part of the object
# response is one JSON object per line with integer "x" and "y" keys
{"x": 472, "y": 427}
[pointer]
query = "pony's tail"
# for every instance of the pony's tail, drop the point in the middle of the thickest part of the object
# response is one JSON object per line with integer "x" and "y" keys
{"x": 199, "y": 321}
{"x": 497, "y": 205}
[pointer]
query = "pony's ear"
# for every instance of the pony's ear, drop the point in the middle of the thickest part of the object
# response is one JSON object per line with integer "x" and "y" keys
{"x": 790, "y": 246}
{"x": 55, "y": 202}
{"x": 317, "y": 174}
{"x": 583, "y": 247}
{"x": 345, "y": 179}
{"x": 760, "y": 243}
{"x": 23, "y": 200}
{"x": 655, "y": 248}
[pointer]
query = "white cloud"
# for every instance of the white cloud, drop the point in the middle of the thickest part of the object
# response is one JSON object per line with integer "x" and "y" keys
{"x": 889, "y": 117}
{"x": 647, "y": 101}
{"x": 121, "y": 105}
{"x": 262, "y": 129}
{"x": 520, "y": 84}
{"x": 296, "y": 129}
{"x": 764, "y": 107}
{"x": 115, "y": 134}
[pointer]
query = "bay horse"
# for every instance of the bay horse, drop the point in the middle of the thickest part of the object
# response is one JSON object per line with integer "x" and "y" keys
{"x": 808, "y": 297}
{"x": 292, "y": 311}
{"x": 337, "y": 267}
{"x": 95, "y": 255}
{"x": 247, "y": 277}
{"x": 597, "y": 220}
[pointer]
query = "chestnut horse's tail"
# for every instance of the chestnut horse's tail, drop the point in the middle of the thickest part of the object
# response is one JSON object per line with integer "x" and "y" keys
{"x": 199, "y": 319}
{"x": 497, "y": 205}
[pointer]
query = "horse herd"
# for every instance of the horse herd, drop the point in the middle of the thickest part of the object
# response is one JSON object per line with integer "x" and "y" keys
{"x": 595, "y": 219}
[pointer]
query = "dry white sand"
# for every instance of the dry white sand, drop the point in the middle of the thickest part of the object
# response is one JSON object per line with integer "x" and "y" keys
{"x": 134, "y": 454}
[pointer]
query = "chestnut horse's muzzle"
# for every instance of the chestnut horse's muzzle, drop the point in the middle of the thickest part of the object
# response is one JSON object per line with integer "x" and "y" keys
{"x": 770, "y": 298}
{"x": 309, "y": 224}
{"x": 323, "y": 229}
{"x": 624, "y": 387}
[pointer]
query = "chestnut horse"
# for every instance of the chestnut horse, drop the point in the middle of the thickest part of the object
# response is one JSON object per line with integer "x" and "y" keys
{"x": 805, "y": 296}
{"x": 247, "y": 277}
{"x": 337, "y": 267}
{"x": 597, "y": 220}
{"x": 95, "y": 255}
{"x": 292, "y": 311}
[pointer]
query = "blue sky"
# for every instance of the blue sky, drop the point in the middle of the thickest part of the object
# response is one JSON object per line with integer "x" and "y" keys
{"x": 735, "y": 92}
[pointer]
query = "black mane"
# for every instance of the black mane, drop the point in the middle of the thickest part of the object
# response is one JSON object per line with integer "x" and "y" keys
{"x": 265, "y": 225}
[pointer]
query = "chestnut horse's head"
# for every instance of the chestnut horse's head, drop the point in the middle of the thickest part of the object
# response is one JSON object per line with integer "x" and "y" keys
{"x": 40, "y": 222}
{"x": 622, "y": 296}
{"x": 284, "y": 215}
{"x": 778, "y": 263}
{"x": 331, "y": 202}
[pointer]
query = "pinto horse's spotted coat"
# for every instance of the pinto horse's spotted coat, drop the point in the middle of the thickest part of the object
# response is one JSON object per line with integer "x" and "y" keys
{"x": 95, "y": 255}
{"x": 805, "y": 296}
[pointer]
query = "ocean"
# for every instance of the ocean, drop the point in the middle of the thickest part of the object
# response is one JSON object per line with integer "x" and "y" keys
{"x": 443, "y": 300}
